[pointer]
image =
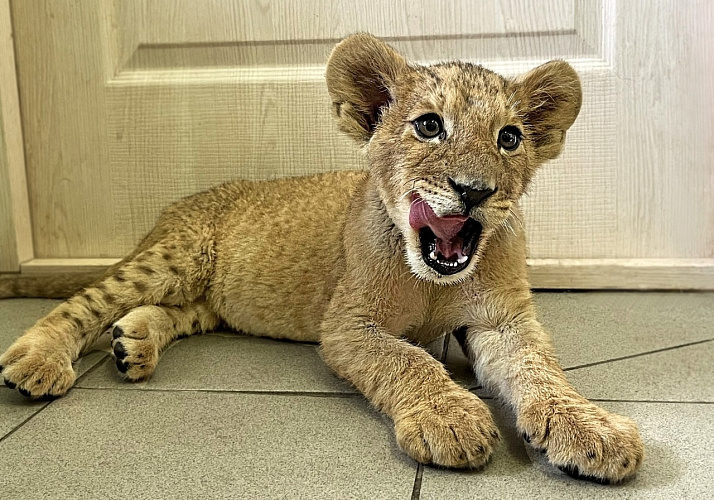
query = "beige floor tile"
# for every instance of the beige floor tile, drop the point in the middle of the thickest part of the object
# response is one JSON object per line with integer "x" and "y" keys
{"x": 598, "y": 326}
{"x": 681, "y": 374}
{"x": 588, "y": 327}
{"x": 197, "y": 445}
{"x": 679, "y": 454}
{"x": 231, "y": 362}
{"x": 15, "y": 409}
{"x": 17, "y": 315}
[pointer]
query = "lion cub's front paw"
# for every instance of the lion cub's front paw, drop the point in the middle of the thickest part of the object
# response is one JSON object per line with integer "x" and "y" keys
{"x": 452, "y": 430}
{"x": 37, "y": 366}
{"x": 583, "y": 440}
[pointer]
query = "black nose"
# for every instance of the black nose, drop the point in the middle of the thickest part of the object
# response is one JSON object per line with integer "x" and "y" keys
{"x": 470, "y": 196}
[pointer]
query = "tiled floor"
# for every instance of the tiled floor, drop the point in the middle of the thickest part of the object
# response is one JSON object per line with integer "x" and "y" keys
{"x": 229, "y": 416}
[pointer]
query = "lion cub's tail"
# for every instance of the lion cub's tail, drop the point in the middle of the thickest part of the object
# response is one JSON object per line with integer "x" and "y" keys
{"x": 48, "y": 286}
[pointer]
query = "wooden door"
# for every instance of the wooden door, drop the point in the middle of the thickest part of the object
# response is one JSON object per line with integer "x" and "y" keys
{"x": 128, "y": 105}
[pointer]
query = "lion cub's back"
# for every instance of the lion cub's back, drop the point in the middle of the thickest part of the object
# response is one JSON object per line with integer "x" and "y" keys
{"x": 279, "y": 253}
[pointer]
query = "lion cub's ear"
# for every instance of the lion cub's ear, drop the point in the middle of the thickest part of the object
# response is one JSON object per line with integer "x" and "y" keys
{"x": 361, "y": 75}
{"x": 552, "y": 96}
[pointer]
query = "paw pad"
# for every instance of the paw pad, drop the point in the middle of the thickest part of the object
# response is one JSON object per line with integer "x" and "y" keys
{"x": 117, "y": 332}
{"x": 119, "y": 350}
{"x": 122, "y": 366}
{"x": 133, "y": 356}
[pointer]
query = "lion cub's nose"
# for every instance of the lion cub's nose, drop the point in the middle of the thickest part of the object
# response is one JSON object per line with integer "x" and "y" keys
{"x": 471, "y": 197}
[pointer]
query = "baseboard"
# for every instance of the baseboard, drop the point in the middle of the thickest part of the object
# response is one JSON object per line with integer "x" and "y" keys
{"x": 618, "y": 274}
{"x": 622, "y": 274}
{"x": 51, "y": 266}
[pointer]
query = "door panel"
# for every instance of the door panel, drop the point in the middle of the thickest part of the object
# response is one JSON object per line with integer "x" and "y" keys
{"x": 129, "y": 105}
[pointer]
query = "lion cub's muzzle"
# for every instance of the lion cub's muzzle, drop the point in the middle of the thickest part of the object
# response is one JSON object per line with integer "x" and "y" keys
{"x": 447, "y": 243}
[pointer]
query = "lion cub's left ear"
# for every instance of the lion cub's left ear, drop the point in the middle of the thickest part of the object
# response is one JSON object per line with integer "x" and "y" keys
{"x": 551, "y": 95}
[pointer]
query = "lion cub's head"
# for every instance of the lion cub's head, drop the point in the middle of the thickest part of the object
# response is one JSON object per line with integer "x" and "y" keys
{"x": 451, "y": 146}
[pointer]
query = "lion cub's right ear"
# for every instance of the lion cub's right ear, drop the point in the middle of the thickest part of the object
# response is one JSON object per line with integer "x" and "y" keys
{"x": 361, "y": 75}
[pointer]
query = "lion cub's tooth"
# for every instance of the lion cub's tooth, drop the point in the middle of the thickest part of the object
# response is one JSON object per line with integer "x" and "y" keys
{"x": 432, "y": 255}
{"x": 462, "y": 259}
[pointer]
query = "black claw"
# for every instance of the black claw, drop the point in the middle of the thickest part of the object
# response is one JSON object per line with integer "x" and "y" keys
{"x": 24, "y": 392}
{"x": 117, "y": 332}
{"x": 574, "y": 472}
{"x": 9, "y": 384}
{"x": 119, "y": 350}
{"x": 591, "y": 455}
{"x": 48, "y": 397}
{"x": 569, "y": 469}
{"x": 526, "y": 438}
{"x": 122, "y": 366}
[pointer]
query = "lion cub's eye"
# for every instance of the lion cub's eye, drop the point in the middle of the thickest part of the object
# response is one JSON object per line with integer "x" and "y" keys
{"x": 509, "y": 138}
{"x": 429, "y": 126}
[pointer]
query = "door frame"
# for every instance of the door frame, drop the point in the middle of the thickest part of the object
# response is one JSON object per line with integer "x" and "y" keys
{"x": 16, "y": 244}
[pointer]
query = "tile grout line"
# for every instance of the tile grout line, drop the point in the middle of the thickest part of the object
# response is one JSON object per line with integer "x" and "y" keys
{"x": 419, "y": 476}
{"x": 91, "y": 369}
{"x": 652, "y": 401}
{"x": 416, "y": 489}
{"x": 95, "y": 366}
{"x": 21, "y": 424}
{"x": 230, "y": 391}
{"x": 631, "y": 356}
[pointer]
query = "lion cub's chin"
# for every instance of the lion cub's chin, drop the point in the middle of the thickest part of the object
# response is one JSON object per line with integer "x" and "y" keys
{"x": 422, "y": 270}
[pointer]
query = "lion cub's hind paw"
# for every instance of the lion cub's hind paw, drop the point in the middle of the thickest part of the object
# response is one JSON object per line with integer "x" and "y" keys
{"x": 37, "y": 369}
{"x": 135, "y": 352}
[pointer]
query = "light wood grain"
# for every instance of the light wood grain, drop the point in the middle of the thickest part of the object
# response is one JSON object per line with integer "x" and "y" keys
{"x": 664, "y": 64}
{"x": 188, "y": 21}
{"x": 15, "y": 227}
{"x": 254, "y": 129}
{"x": 129, "y": 105}
{"x": 61, "y": 67}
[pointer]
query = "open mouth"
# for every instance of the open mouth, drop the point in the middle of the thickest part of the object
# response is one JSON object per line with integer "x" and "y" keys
{"x": 447, "y": 243}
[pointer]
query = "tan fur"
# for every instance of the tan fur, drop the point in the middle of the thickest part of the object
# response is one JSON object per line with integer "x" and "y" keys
{"x": 333, "y": 258}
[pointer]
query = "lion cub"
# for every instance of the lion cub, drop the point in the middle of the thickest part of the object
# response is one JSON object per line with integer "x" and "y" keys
{"x": 371, "y": 264}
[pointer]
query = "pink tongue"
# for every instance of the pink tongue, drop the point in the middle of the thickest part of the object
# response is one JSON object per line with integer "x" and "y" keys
{"x": 446, "y": 229}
